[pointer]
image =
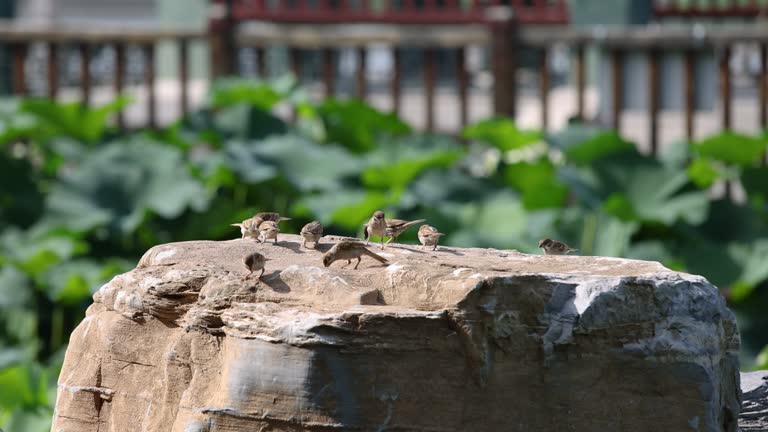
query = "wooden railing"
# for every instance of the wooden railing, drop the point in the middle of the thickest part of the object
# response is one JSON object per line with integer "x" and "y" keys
{"x": 20, "y": 36}
{"x": 393, "y": 12}
{"x": 654, "y": 42}
{"x": 505, "y": 43}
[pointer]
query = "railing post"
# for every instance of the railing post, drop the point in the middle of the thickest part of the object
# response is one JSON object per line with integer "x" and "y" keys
{"x": 429, "y": 57}
{"x": 53, "y": 70}
{"x": 653, "y": 100}
{"x": 394, "y": 85}
{"x": 361, "y": 73}
{"x": 85, "y": 73}
{"x": 503, "y": 52}
{"x": 544, "y": 88}
{"x": 580, "y": 82}
{"x": 617, "y": 81}
{"x": 462, "y": 80}
{"x": 184, "y": 75}
{"x": 120, "y": 79}
{"x": 223, "y": 43}
{"x": 725, "y": 85}
{"x": 149, "y": 78}
{"x": 690, "y": 85}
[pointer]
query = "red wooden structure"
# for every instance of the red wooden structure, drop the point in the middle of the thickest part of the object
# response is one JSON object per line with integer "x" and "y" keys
{"x": 712, "y": 9}
{"x": 394, "y": 12}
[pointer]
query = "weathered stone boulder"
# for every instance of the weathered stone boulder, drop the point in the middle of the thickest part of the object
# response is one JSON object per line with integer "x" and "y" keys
{"x": 451, "y": 340}
{"x": 754, "y": 408}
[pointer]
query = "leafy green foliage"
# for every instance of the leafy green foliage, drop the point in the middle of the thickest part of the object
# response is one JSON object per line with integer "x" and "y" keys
{"x": 733, "y": 148}
{"x": 80, "y": 203}
{"x": 501, "y": 133}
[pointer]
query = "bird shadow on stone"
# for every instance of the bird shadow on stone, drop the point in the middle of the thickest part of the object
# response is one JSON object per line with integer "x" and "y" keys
{"x": 409, "y": 248}
{"x": 323, "y": 247}
{"x": 274, "y": 281}
{"x": 296, "y": 247}
{"x": 447, "y": 250}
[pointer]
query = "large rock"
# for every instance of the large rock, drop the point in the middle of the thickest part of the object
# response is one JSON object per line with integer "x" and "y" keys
{"x": 754, "y": 408}
{"x": 452, "y": 340}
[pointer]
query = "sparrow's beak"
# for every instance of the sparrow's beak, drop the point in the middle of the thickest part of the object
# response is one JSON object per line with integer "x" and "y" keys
{"x": 541, "y": 243}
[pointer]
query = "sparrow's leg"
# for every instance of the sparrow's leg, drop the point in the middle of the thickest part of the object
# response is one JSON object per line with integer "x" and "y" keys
{"x": 367, "y": 236}
{"x": 434, "y": 247}
{"x": 382, "y": 242}
{"x": 247, "y": 276}
{"x": 348, "y": 263}
{"x": 275, "y": 239}
{"x": 304, "y": 245}
{"x": 261, "y": 274}
{"x": 358, "y": 262}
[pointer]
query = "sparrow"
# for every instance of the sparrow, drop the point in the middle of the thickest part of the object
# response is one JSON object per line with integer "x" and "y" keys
{"x": 395, "y": 227}
{"x": 269, "y": 230}
{"x": 271, "y": 216}
{"x": 312, "y": 233}
{"x": 349, "y": 250}
{"x": 377, "y": 226}
{"x": 254, "y": 261}
{"x": 429, "y": 236}
{"x": 554, "y": 247}
{"x": 249, "y": 227}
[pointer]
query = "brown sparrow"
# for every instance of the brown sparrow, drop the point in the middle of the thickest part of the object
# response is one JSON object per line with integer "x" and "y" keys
{"x": 312, "y": 233}
{"x": 271, "y": 216}
{"x": 269, "y": 230}
{"x": 554, "y": 247}
{"x": 395, "y": 227}
{"x": 377, "y": 226}
{"x": 349, "y": 250}
{"x": 429, "y": 236}
{"x": 254, "y": 261}
{"x": 249, "y": 227}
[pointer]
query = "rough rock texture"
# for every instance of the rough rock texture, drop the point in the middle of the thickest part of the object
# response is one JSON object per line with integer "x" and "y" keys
{"x": 754, "y": 408}
{"x": 451, "y": 340}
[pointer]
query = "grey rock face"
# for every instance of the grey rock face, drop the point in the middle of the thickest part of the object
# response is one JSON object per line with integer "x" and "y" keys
{"x": 754, "y": 408}
{"x": 450, "y": 340}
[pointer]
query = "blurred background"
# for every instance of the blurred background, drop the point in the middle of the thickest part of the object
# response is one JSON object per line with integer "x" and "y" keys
{"x": 629, "y": 128}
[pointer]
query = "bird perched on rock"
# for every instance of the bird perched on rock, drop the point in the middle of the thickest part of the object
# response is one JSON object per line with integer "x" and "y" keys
{"x": 429, "y": 236}
{"x": 395, "y": 227}
{"x": 349, "y": 250}
{"x": 312, "y": 233}
{"x": 254, "y": 262}
{"x": 269, "y": 230}
{"x": 554, "y": 247}
{"x": 377, "y": 226}
{"x": 250, "y": 227}
{"x": 271, "y": 216}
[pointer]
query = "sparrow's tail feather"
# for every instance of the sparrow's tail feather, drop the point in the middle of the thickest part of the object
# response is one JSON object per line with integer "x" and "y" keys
{"x": 283, "y": 218}
{"x": 237, "y": 225}
{"x": 377, "y": 257}
{"x": 408, "y": 224}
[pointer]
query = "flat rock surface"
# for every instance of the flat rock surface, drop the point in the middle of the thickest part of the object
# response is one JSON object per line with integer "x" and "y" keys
{"x": 448, "y": 340}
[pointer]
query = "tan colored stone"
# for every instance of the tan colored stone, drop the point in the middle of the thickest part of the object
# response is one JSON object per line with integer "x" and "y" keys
{"x": 450, "y": 340}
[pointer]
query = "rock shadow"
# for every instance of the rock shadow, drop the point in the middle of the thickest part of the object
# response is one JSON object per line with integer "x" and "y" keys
{"x": 275, "y": 282}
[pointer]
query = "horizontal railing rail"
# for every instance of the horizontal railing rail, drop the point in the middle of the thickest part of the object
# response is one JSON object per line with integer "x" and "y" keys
{"x": 395, "y": 12}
